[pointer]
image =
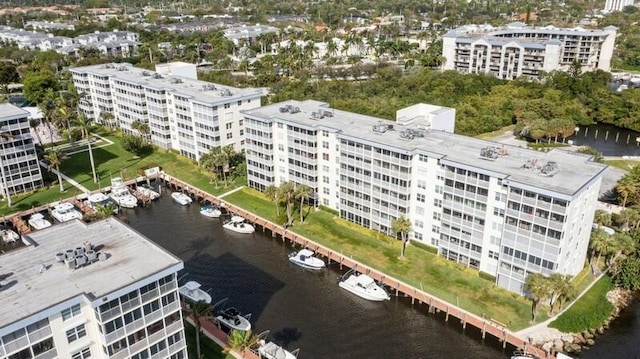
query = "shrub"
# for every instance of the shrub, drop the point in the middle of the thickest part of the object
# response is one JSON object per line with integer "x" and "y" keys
{"x": 589, "y": 312}
{"x": 135, "y": 145}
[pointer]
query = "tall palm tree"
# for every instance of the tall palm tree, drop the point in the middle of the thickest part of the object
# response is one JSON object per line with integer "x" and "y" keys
{"x": 55, "y": 157}
{"x": 561, "y": 290}
{"x": 602, "y": 217}
{"x": 199, "y": 310}
{"x": 401, "y": 225}
{"x": 537, "y": 286}
{"x": 598, "y": 242}
{"x": 272, "y": 193}
{"x": 239, "y": 340}
{"x": 33, "y": 123}
{"x": 108, "y": 119}
{"x": 287, "y": 192}
{"x": 85, "y": 125}
{"x": 303, "y": 192}
{"x": 626, "y": 187}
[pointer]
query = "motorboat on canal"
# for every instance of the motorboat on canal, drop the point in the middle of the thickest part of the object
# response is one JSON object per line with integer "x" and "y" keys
{"x": 191, "y": 292}
{"x": 99, "y": 199}
{"x": 211, "y": 211}
{"x": 363, "y": 286}
{"x": 271, "y": 350}
{"x": 237, "y": 224}
{"x": 523, "y": 354}
{"x": 306, "y": 259}
{"x": 149, "y": 193}
{"x": 9, "y": 236}
{"x": 64, "y": 212}
{"x": 231, "y": 318}
{"x": 181, "y": 198}
{"x": 37, "y": 221}
{"x": 121, "y": 195}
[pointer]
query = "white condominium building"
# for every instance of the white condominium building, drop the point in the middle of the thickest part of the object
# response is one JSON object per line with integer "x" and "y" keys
{"x": 98, "y": 290}
{"x": 503, "y": 210}
{"x": 19, "y": 169}
{"x": 617, "y": 5}
{"x": 516, "y": 50}
{"x": 183, "y": 114}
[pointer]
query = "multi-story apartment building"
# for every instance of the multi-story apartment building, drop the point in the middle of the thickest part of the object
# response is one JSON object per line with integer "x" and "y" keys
{"x": 98, "y": 290}
{"x": 503, "y": 210}
{"x": 19, "y": 168}
{"x": 516, "y": 50}
{"x": 184, "y": 114}
{"x": 617, "y": 5}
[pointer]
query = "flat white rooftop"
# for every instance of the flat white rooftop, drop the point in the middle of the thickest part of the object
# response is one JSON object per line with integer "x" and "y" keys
{"x": 25, "y": 291}
{"x": 202, "y": 91}
{"x": 574, "y": 170}
{"x": 8, "y": 110}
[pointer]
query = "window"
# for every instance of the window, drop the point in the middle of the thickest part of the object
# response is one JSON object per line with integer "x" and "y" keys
{"x": 439, "y": 189}
{"x": 117, "y": 346}
{"x": 142, "y": 355}
{"x": 436, "y": 216}
{"x": 229, "y": 125}
{"x": 84, "y": 353}
{"x": 132, "y": 316}
{"x": 435, "y": 229}
{"x": 419, "y": 223}
{"x": 161, "y": 345}
{"x": 229, "y": 136}
{"x": 421, "y": 198}
{"x": 76, "y": 333}
{"x": 70, "y": 312}
{"x": 437, "y": 203}
{"x": 493, "y": 255}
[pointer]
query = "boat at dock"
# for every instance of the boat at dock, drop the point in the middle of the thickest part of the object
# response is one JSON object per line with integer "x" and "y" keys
{"x": 181, "y": 198}
{"x": 211, "y": 211}
{"x": 9, "y": 236}
{"x": 64, "y": 212}
{"x": 121, "y": 195}
{"x": 231, "y": 318}
{"x": 271, "y": 350}
{"x": 191, "y": 292}
{"x": 237, "y": 224}
{"x": 523, "y": 354}
{"x": 363, "y": 286}
{"x": 37, "y": 221}
{"x": 306, "y": 259}
{"x": 149, "y": 193}
{"x": 99, "y": 199}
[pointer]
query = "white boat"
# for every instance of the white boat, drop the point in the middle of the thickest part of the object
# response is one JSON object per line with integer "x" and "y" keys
{"x": 237, "y": 224}
{"x": 37, "y": 221}
{"x": 522, "y": 354}
{"x": 97, "y": 199}
{"x": 9, "y": 236}
{"x": 271, "y": 350}
{"x": 64, "y": 212}
{"x": 232, "y": 319}
{"x": 191, "y": 291}
{"x": 121, "y": 195}
{"x": 181, "y": 198}
{"x": 363, "y": 286}
{"x": 211, "y": 211}
{"x": 305, "y": 259}
{"x": 151, "y": 194}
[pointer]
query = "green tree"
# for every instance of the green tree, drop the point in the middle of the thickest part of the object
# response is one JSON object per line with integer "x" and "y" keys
{"x": 401, "y": 225}
{"x": 199, "y": 310}
{"x": 8, "y": 75}
{"x": 602, "y": 217}
{"x": 287, "y": 192}
{"x": 272, "y": 194}
{"x": 626, "y": 273}
{"x": 55, "y": 157}
{"x": 302, "y": 193}
{"x": 562, "y": 290}
{"x": 537, "y": 287}
{"x": 85, "y": 126}
{"x": 37, "y": 84}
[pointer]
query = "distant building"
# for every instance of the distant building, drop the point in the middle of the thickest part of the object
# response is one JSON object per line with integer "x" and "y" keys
{"x": 504, "y": 210}
{"x": 517, "y": 50}
{"x": 183, "y": 114}
{"x": 98, "y": 290}
{"x": 178, "y": 68}
{"x": 617, "y": 5}
{"x": 48, "y": 25}
{"x": 248, "y": 33}
{"x": 20, "y": 170}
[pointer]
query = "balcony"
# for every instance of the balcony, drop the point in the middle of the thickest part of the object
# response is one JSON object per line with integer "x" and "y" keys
{"x": 50, "y": 354}
{"x": 40, "y": 334}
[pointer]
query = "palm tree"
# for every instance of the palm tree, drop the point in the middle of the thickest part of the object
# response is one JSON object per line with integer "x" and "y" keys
{"x": 34, "y": 124}
{"x": 537, "y": 286}
{"x": 84, "y": 124}
{"x": 626, "y": 187}
{"x": 562, "y": 290}
{"x": 142, "y": 128}
{"x": 239, "y": 340}
{"x": 401, "y": 225}
{"x": 303, "y": 192}
{"x": 272, "y": 193}
{"x": 602, "y": 217}
{"x": 287, "y": 192}
{"x": 199, "y": 310}
{"x": 55, "y": 157}
{"x": 108, "y": 119}
{"x": 106, "y": 210}
{"x": 598, "y": 242}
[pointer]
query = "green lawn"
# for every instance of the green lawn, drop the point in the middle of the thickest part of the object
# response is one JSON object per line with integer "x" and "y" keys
{"x": 626, "y": 165}
{"x": 588, "y": 312}
{"x": 439, "y": 277}
{"x": 208, "y": 348}
{"x": 493, "y": 134}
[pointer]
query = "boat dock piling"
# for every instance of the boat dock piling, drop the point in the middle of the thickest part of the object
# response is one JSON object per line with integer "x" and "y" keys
{"x": 435, "y": 305}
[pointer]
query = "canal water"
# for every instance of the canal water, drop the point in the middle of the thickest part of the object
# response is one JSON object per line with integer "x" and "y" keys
{"x": 301, "y": 309}
{"x": 608, "y": 139}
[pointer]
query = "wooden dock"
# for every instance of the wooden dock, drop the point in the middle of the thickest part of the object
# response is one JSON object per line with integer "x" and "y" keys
{"x": 485, "y": 325}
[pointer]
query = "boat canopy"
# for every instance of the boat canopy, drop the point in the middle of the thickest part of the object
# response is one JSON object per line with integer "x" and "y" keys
{"x": 305, "y": 252}
{"x": 365, "y": 280}
{"x": 192, "y": 285}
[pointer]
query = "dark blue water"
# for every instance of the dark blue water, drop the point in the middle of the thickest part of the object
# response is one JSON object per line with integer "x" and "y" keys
{"x": 302, "y": 309}
{"x": 608, "y": 139}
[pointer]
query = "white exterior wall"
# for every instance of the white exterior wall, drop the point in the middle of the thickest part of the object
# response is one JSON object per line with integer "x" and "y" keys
{"x": 617, "y": 5}
{"x": 606, "y": 51}
{"x": 449, "y": 52}
{"x": 552, "y": 57}
{"x": 428, "y": 116}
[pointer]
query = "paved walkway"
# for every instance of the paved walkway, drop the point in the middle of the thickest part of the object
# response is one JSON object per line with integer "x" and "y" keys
{"x": 230, "y": 192}
{"x": 65, "y": 177}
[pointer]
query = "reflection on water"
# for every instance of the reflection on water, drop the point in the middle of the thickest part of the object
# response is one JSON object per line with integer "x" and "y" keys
{"x": 302, "y": 309}
{"x": 608, "y": 139}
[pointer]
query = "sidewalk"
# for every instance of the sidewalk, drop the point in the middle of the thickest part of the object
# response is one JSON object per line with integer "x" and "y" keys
{"x": 65, "y": 177}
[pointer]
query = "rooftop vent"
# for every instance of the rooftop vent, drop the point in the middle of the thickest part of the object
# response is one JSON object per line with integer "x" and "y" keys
{"x": 108, "y": 66}
{"x": 145, "y": 73}
{"x": 156, "y": 76}
{"x": 175, "y": 80}
{"x": 410, "y": 134}
{"x": 380, "y": 128}
{"x": 549, "y": 169}
{"x": 78, "y": 257}
{"x": 208, "y": 87}
{"x": 123, "y": 68}
{"x": 289, "y": 109}
{"x": 317, "y": 115}
{"x": 327, "y": 113}
{"x": 532, "y": 165}
{"x": 225, "y": 92}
